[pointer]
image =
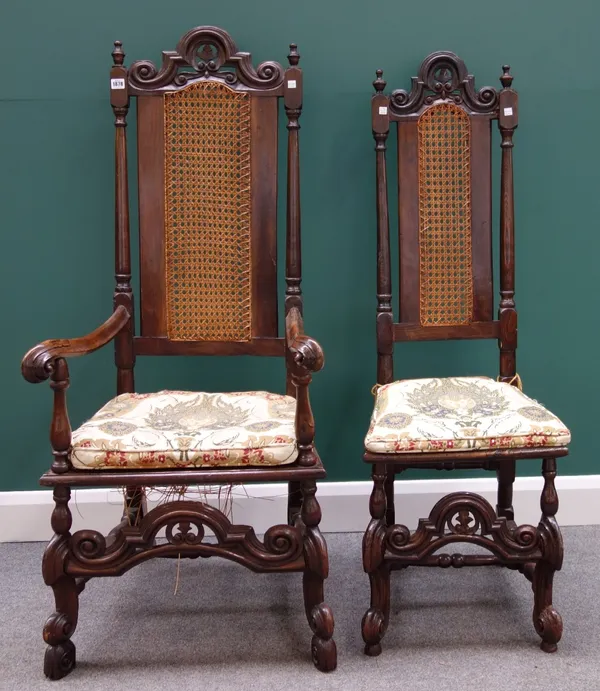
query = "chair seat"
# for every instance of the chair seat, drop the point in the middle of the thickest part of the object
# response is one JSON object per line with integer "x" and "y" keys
{"x": 459, "y": 414}
{"x": 183, "y": 429}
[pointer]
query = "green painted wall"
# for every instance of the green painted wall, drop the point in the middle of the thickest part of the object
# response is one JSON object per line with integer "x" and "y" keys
{"x": 57, "y": 199}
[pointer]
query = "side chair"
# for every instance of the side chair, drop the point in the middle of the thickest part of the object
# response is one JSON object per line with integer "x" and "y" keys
{"x": 444, "y": 166}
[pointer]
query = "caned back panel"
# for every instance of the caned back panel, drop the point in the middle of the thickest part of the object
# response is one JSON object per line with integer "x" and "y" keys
{"x": 207, "y": 175}
{"x": 444, "y": 188}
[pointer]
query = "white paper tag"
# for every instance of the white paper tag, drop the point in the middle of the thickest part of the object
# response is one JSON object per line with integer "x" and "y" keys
{"x": 291, "y": 83}
{"x": 382, "y": 110}
{"x": 117, "y": 83}
{"x": 508, "y": 111}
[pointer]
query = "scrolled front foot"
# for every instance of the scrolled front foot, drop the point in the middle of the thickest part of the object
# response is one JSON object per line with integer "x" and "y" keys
{"x": 59, "y": 660}
{"x": 324, "y": 654}
{"x": 373, "y": 628}
{"x": 548, "y": 623}
{"x": 323, "y": 648}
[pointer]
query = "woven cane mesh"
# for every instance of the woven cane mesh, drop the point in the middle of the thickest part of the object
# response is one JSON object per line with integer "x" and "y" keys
{"x": 446, "y": 275}
{"x": 207, "y": 213}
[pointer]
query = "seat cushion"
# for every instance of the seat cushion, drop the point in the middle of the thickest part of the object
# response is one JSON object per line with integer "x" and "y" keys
{"x": 459, "y": 414}
{"x": 183, "y": 429}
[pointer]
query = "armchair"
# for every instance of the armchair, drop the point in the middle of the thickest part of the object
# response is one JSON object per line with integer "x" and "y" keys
{"x": 207, "y": 183}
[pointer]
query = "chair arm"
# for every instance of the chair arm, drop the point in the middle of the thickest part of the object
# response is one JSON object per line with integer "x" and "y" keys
{"x": 305, "y": 352}
{"x": 38, "y": 363}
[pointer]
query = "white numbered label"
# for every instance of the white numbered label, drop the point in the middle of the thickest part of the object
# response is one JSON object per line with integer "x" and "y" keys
{"x": 508, "y": 111}
{"x": 382, "y": 110}
{"x": 291, "y": 83}
{"x": 117, "y": 83}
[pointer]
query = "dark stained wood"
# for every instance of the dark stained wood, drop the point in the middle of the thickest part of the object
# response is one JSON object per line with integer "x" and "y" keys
{"x": 39, "y": 362}
{"x": 481, "y": 219}
{"x": 292, "y": 100}
{"x": 376, "y": 618}
{"x": 135, "y": 505}
{"x": 385, "y": 318}
{"x": 547, "y": 621}
{"x": 186, "y": 476}
{"x": 59, "y": 659}
{"x": 293, "y": 254}
{"x": 294, "y": 501}
{"x": 319, "y": 615}
{"x": 507, "y": 314}
{"x": 60, "y": 428}
{"x": 408, "y": 221}
{"x": 414, "y": 459}
{"x": 416, "y": 332}
{"x": 536, "y": 552}
{"x": 305, "y": 356}
{"x": 151, "y": 195}
{"x": 506, "y": 478}
{"x": 264, "y": 216}
{"x": 229, "y": 66}
{"x": 279, "y": 552}
{"x": 123, "y": 295}
{"x": 390, "y": 512}
{"x": 297, "y": 545}
{"x": 164, "y": 346}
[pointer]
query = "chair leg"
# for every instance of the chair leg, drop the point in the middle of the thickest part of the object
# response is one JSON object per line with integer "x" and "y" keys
{"x": 547, "y": 621}
{"x": 390, "y": 513}
{"x": 376, "y": 618}
{"x": 59, "y": 659}
{"x": 319, "y": 615}
{"x": 136, "y": 505}
{"x": 294, "y": 501}
{"x": 506, "y": 478}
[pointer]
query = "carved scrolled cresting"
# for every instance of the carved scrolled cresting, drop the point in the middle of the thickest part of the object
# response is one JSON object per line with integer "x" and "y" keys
{"x": 208, "y": 52}
{"x": 463, "y": 517}
{"x": 443, "y": 75}
{"x": 185, "y": 524}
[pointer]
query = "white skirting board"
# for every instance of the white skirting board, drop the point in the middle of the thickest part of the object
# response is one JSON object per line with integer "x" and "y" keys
{"x": 25, "y": 516}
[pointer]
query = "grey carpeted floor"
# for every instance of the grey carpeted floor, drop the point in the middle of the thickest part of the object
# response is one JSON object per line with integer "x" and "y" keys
{"x": 228, "y": 628}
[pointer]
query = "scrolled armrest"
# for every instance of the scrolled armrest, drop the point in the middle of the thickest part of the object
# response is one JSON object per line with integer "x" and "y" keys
{"x": 305, "y": 352}
{"x": 38, "y": 363}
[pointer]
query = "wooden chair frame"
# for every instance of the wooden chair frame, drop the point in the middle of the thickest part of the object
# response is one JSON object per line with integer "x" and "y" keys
{"x": 535, "y": 552}
{"x": 71, "y": 560}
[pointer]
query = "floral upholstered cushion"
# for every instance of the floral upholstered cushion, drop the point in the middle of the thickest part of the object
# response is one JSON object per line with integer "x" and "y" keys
{"x": 457, "y": 414}
{"x": 182, "y": 429}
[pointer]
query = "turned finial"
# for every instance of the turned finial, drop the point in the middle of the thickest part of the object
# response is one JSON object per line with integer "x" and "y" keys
{"x": 506, "y": 77}
{"x": 294, "y": 56}
{"x": 118, "y": 54}
{"x": 379, "y": 83}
